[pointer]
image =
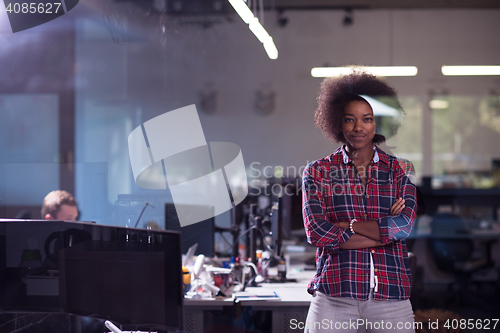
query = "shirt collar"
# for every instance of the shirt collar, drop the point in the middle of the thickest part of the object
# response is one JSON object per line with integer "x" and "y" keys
{"x": 346, "y": 158}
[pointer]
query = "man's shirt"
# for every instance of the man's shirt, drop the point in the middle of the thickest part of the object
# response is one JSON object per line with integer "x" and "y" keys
{"x": 333, "y": 192}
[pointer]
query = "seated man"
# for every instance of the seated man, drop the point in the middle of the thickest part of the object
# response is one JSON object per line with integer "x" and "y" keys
{"x": 59, "y": 205}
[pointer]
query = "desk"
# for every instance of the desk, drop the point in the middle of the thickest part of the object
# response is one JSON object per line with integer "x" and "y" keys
{"x": 461, "y": 197}
{"x": 486, "y": 246}
{"x": 293, "y": 304}
{"x": 451, "y": 227}
{"x": 474, "y": 234}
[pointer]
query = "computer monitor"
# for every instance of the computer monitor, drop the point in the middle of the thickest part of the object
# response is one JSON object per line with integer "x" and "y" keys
{"x": 277, "y": 226}
{"x": 291, "y": 207}
{"x": 201, "y": 233}
{"x": 132, "y": 277}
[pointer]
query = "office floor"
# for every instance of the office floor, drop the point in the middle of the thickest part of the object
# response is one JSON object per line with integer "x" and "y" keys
{"x": 475, "y": 312}
{"x": 481, "y": 304}
{"x": 478, "y": 304}
{"x": 476, "y": 307}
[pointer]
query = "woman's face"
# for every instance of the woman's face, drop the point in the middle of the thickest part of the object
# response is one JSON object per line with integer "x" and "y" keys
{"x": 358, "y": 125}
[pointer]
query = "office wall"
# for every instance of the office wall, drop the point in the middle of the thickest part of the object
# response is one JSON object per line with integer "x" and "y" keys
{"x": 35, "y": 105}
{"x": 143, "y": 73}
{"x": 127, "y": 70}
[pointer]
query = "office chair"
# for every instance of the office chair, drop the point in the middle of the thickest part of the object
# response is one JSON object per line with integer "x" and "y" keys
{"x": 453, "y": 255}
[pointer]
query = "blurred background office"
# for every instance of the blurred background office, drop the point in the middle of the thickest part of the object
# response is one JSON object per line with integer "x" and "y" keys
{"x": 73, "y": 89}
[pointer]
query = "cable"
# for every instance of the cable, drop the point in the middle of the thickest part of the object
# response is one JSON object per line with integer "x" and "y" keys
{"x": 31, "y": 324}
{"x": 251, "y": 264}
{"x": 263, "y": 268}
{"x": 147, "y": 204}
{"x": 269, "y": 247}
{"x": 241, "y": 235}
{"x": 14, "y": 319}
{"x": 245, "y": 232}
{"x": 225, "y": 240}
{"x": 262, "y": 233}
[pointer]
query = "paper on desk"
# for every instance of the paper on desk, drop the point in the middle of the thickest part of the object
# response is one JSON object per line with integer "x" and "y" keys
{"x": 256, "y": 295}
{"x": 135, "y": 332}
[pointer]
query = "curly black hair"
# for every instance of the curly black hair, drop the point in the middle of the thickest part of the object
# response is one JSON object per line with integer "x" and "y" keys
{"x": 335, "y": 93}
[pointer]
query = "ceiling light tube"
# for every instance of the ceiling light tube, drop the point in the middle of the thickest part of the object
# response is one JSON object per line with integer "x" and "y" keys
{"x": 254, "y": 25}
{"x": 439, "y": 104}
{"x": 270, "y": 48}
{"x": 375, "y": 70}
{"x": 470, "y": 70}
{"x": 258, "y": 30}
{"x": 242, "y": 9}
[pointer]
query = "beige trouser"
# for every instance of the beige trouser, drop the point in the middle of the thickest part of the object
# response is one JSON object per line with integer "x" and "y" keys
{"x": 340, "y": 314}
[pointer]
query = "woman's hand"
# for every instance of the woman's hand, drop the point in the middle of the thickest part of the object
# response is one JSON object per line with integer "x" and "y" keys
{"x": 397, "y": 207}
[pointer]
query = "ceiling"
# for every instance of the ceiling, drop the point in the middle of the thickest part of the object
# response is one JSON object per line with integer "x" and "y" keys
{"x": 380, "y": 4}
{"x": 223, "y": 7}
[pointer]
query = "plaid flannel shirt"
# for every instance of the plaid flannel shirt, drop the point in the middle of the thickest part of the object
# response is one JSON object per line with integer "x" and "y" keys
{"x": 333, "y": 191}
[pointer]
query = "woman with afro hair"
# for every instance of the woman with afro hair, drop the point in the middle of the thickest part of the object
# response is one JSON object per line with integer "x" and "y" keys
{"x": 359, "y": 205}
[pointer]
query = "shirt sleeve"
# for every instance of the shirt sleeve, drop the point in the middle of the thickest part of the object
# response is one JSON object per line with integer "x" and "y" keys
{"x": 393, "y": 228}
{"x": 320, "y": 231}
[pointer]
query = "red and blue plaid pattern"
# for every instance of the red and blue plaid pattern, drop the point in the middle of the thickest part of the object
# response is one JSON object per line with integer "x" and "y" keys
{"x": 333, "y": 191}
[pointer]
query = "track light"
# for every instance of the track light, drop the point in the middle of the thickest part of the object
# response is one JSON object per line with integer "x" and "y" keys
{"x": 282, "y": 20}
{"x": 348, "y": 18}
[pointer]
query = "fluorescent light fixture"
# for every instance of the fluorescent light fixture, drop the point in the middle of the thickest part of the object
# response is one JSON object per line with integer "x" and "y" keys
{"x": 258, "y": 30}
{"x": 254, "y": 25}
{"x": 242, "y": 9}
{"x": 375, "y": 70}
{"x": 270, "y": 48}
{"x": 470, "y": 70}
{"x": 439, "y": 104}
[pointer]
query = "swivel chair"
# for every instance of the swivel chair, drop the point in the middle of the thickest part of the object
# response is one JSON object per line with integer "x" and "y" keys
{"x": 451, "y": 249}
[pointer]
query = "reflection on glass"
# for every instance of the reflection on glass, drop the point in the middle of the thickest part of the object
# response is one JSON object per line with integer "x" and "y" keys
{"x": 465, "y": 149}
